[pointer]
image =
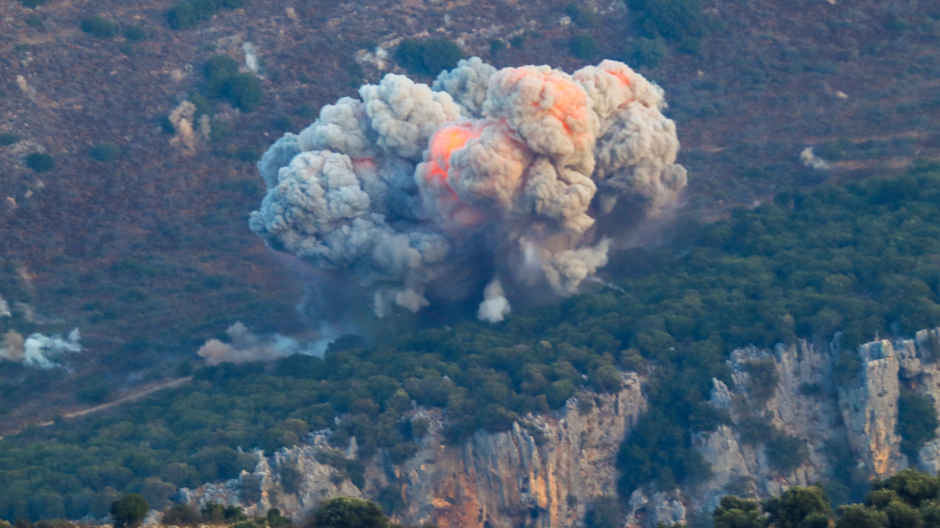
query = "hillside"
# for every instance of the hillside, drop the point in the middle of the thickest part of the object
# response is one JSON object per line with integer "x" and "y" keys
{"x": 146, "y": 249}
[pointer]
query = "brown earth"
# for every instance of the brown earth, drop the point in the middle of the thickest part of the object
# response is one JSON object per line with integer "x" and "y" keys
{"x": 150, "y": 255}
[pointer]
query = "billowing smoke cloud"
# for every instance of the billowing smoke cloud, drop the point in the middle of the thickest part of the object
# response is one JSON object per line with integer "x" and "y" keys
{"x": 495, "y": 306}
{"x": 39, "y": 350}
{"x": 415, "y": 190}
{"x": 811, "y": 160}
{"x": 245, "y": 346}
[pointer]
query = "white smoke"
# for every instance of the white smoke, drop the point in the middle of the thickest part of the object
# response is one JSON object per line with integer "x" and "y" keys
{"x": 182, "y": 120}
{"x": 38, "y": 350}
{"x": 251, "y": 57}
{"x": 813, "y": 161}
{"x": 4, "y": 308}
{"x": 245, "y": 346}
{"x": 495, "y": 307}
{"x": 417, "y": 190}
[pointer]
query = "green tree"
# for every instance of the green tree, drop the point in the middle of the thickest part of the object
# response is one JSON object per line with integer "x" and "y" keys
{"x": 911, "y": 486}
{"x": 605, "y": 513}
{"x": 734, "y": 512}
{"x": 917, "y": 422}
{"x": 858, "y": 516}
{"x": 796, "y": 505}
{"x": 349, "y": 512}
{"x": 40, "y": 162}
{"x": 129, "y": 511}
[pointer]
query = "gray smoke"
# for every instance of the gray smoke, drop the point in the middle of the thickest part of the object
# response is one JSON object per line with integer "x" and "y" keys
{"x": 244, "y": 346}
{"x": 412, "y": 190}
{"x": 39, "y": 350}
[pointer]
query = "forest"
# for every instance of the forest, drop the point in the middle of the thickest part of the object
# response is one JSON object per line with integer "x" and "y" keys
{"x": 861, "y": 259}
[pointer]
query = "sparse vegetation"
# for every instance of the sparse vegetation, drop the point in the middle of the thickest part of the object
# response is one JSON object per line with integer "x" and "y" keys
{"x": 187, "y": 13}
{"x": 40, "y": 162}
{"x": 99, "y": 26}
{"x": 242, "y": 90}
{"x": 9, "y": 138}
{"x": 136, "y": 33}
{"x": 105, "y": 152}
{"x": 584, "y": 46}
{"x": 917, "y": 422}
{"x": 428, "y": 57}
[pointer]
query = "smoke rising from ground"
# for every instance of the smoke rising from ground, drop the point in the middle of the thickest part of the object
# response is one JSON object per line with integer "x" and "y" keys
{"x": 38, "y": 350}
{"x": 245, "y": 346}
{"x": 486, "y": 177}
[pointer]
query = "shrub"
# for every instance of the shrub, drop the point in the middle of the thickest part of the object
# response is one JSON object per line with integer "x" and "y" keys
{"x": 674, "y": 20}
{"x": 584, "y": 46}
{"x": 646, "y": 52}
{"x": 32, "y": 4}
{"x": 917, "y": 422}
{"x": 182, "y": 16}
{"x": 762, "y": 380}
{"x": 429, "y": 57}
{"x": 135, "y": 33}
{"x": 95, "y": 391}
{"x": 349, "y": 512}
{"x": 605, "y": 513}
{"x": 291, "y": 477}
{"x": 785, "y": 453}
{"x": 791, "y": 509}
{"x": 99, "y": 26}
{"x": 105, "y": 152}
{"x": 582, "y": 16}
{"x": 9, "y": 138}
{"x": 129, "y": 510}
{"x": 40, "y": 162}
{"x": 181, "y": 515}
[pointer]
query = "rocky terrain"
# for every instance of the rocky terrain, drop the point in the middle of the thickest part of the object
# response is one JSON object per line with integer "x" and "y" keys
{"x": 149, "y": 253}
{"x": 547, "y": 471}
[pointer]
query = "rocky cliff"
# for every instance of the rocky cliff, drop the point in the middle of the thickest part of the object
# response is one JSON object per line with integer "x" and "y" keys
{"x": 542, "y": 474}
{"x": 787, "y": 423}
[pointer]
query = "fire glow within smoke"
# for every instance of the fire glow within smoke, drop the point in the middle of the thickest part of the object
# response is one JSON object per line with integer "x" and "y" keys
{"x": 486, "y": 177}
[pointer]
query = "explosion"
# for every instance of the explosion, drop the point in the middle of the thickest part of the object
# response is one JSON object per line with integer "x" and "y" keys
{"x": 487, "y": 177}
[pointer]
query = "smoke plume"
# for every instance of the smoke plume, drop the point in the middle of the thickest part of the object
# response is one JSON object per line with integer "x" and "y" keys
{"x": 39, "y": 350}
{"x": 245, "y": 346}
{"x": 422, "y": 193}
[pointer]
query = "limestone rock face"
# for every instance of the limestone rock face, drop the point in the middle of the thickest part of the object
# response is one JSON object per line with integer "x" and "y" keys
{"x": 546, "y": 471}
{"x": 544, "y": 474}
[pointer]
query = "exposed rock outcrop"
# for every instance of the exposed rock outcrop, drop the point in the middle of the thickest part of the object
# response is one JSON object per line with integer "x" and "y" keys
{"x": 546, "y": 471}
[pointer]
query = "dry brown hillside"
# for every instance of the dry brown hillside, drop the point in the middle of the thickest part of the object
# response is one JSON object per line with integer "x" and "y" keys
{"x": 150, "y": 254}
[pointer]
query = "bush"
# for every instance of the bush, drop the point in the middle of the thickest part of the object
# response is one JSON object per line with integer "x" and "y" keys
{"x": 429, "y": 57}
{"x": 242, "y": 90}
{"x": 349, "y": 512}
{"x": 605, "y": 513}
{"x": 32, "y": 4}
{"x": 182, "y": 16}
{"x": 9, "y": 138}
{"x": 785, "y": 453}
{"x": 646, "y": 52}
{"x": 40, "y": 162}
{"x": 135, "y": 33}
{"x": 181, "y": 515}
{"x": 584, "y": 47}
{"x": 762, "y": 380}
{"x": 917, "y": 422}
{"x": 99, "y": 26}
{"x": 791, "y": 509}
{"x": 582, "y": 16}
{"x": 95, "y": 391}
{"x": 674, "y": 20}
{"x": 105, "y": 152}
{"x": 129, "y": 510}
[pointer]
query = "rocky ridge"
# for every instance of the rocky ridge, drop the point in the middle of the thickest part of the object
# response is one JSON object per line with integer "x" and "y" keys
{"x": 547, "y": 471}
